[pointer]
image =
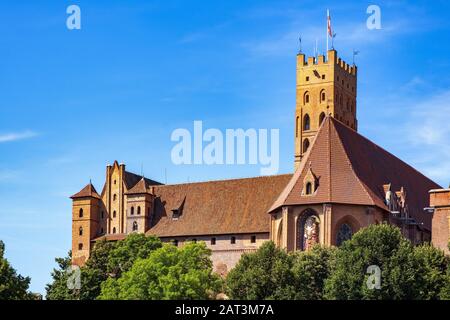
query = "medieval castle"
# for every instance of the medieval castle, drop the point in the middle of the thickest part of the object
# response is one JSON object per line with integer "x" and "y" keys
{"x": 342, "y": 182}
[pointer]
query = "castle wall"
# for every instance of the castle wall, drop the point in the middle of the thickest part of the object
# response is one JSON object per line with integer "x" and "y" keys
{"x": 440, "y": 234}
{"x": 226, "y": 255}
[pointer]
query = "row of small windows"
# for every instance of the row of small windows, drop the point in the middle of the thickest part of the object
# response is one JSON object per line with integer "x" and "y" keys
{"x": 307, "y": 122}
{"x": 214, "y": 240}
{"x": 322, "y": 96}
{"x": 138, "y": 210}
{"x": 307, "y": 77}
{"x": 343, "y": 84}
{"x": 339, "y": 100}
{"x": 81, "y": 212}
{"x": 350, "y": 106}
{"x": 338, "y": 80}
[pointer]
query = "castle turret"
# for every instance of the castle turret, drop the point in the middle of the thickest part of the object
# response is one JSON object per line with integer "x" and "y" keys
{"x": 86, "y": 209}
{"x": 325, "y": 86}
{"x": 115, "y": 198}
{"x": 139, "y": 207}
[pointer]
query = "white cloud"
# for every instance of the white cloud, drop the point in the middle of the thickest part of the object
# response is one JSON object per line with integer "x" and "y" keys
{"x": 10, "y": 137}
{"x": 349, "y": 35}
{"x": 428, "y": 131}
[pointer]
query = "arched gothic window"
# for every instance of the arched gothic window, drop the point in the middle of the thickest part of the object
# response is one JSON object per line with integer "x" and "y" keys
{"x": 308, "y": 228}
{"x": 280, "y": 233}
{"x": 80, "y": 231}
{"x": 81, "y": 213}
{"x": 132, "y": 211}
{"x": 296, "y": 126}
{"x": 322, "y": 96}
{"x": 306, "y": 98}
{"x": 114, "y": 214}
{"x": 114, "y": 230}
{"x": 306, "y": 122}
{"x": 308, "y": 188}
{"x": 321, "y": 118}
{"x": 139, "y": 210}
{"x": 344, "y": 233}
{"x": 305, "y": 145}
{"x": 114, "y": 197}
{"x": 135, "y": 226}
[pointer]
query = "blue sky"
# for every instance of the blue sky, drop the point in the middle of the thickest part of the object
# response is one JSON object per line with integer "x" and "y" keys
{"x": 73, "y": 101}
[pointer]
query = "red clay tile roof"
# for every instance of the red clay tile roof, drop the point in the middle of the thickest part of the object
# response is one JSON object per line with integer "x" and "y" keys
{"x": 111, "y": 237}
{"x": 87, "y": 192}
{"x": 132, "y": 179}
{"x": 353, "y": 170}
{"x": 216, "y": 207}
{"x": 140, "y": 187}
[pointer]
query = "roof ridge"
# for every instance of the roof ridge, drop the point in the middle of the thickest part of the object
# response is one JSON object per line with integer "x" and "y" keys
{"x": 381, "y": 148}
{"x": 225, "y": 180}
{"x": 292, "y": 182}
{"x": 358, "y": 178}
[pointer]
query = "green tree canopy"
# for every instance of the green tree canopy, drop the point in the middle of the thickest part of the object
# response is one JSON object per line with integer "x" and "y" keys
{"x": 310, "y": 270}
{"x": 168, "y": 273}
{"x": 107, "y": 259}
{"x": 406, "y": 272}
{"x": 134, "y": 246}
{"x": 265, "y": 274}
{"x": 13, "y": 286}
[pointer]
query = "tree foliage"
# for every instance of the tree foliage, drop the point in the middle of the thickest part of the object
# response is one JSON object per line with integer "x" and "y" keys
{"x": 13, "y": 286}
{"x": 107, "y": 259}
{"x": 265, "y": 274}
{"x": 168, "y": 273}
{"x": 310, "y": 270}
{"x": 407, "y": 272}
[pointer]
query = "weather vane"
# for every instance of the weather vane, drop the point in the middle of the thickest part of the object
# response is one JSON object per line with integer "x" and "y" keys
{"x": 355, "y": 53}
{"x": 300, "y": 44}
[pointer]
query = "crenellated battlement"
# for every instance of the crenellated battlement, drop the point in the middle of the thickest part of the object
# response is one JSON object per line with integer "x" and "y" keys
{"x": 332, "y": 57}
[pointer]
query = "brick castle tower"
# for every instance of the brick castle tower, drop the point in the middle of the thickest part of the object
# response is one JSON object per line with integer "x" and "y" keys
{"x": 324, "y": 87}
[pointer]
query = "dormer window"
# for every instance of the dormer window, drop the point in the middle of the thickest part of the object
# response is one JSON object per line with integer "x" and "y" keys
{"x": 175, "y": 214}
{"x": 308, "y": 188}
{"x": 310, "y": 183}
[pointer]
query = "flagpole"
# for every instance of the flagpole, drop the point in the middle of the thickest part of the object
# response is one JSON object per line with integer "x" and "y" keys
{"x": 328, "y": 17}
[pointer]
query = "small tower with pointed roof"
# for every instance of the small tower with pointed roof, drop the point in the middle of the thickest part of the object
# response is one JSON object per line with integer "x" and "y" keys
{"x": 139, "y": 207}
{"x": 85, "y": 222}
